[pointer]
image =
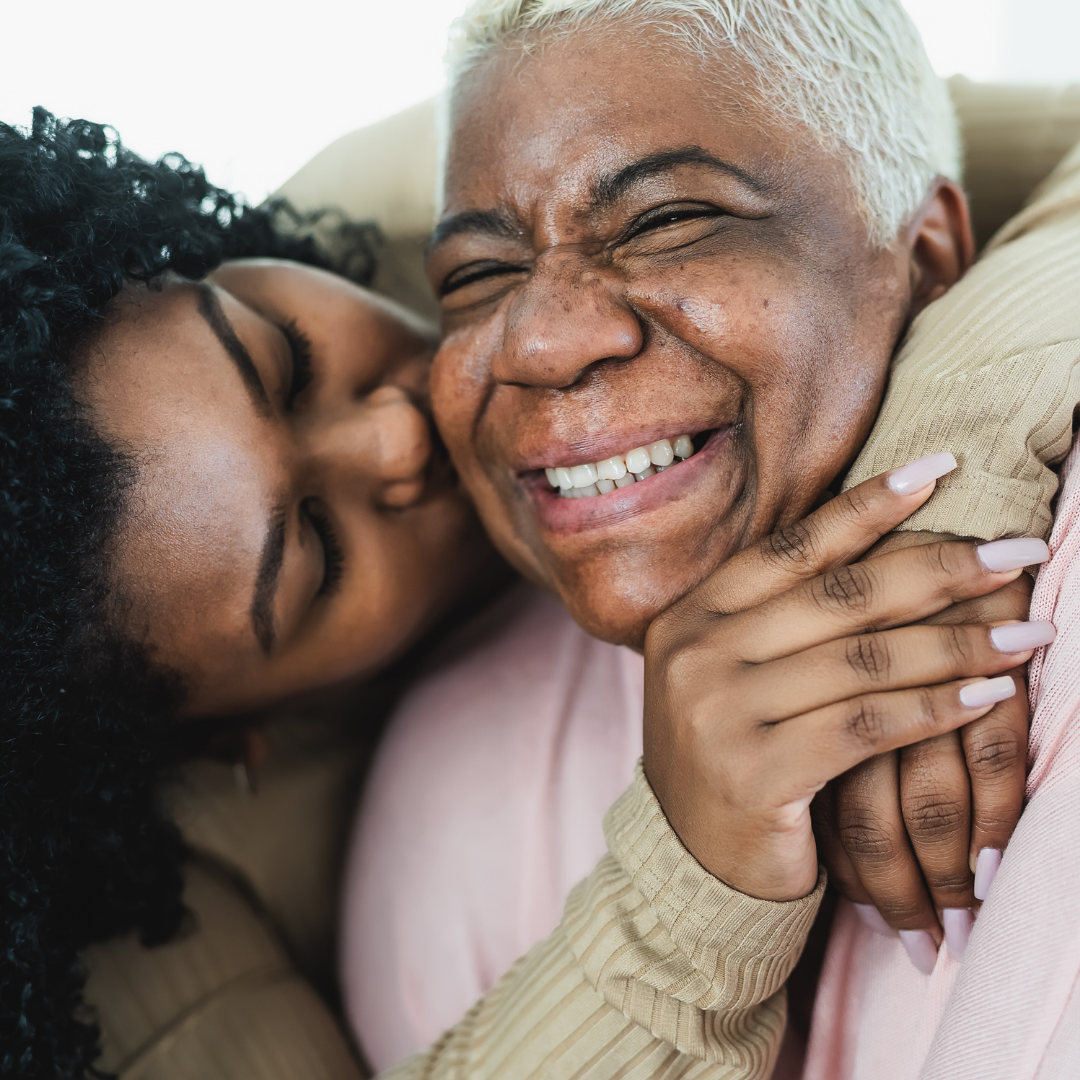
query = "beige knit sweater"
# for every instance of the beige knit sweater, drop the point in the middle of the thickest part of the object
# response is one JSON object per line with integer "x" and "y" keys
{"x": 657, "y": 969}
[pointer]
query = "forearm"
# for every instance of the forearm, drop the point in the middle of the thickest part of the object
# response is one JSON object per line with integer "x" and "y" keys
{"x": 656, "y": 969}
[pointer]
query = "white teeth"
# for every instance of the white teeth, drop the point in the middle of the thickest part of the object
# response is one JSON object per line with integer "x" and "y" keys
{"x": 581, "y": 481}
{"x": 583, "y": 476}
{"x": 660, "y": 453}
{"x": 611, "y": 469}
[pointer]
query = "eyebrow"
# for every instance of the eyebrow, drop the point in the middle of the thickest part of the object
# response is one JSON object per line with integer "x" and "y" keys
{"x": 478, "y": 222}
{"x": 605, "y": 191}
{"x": 211, "y": 310}
{"x": 266, "y": 580}
{"x": 609, "y": 189}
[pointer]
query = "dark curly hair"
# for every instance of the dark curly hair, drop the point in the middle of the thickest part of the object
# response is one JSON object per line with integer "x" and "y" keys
{"x": 87, "y": 723}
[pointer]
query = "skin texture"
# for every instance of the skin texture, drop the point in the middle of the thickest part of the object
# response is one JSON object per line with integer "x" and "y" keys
{"x": 584, "y": 317}
{"x": 581, "y": 324}
{"x": 233, "y": 469}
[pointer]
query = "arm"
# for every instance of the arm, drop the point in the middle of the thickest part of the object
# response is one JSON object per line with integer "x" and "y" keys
{"x": 991, "y": 372}
{"x": 656, "y": 968}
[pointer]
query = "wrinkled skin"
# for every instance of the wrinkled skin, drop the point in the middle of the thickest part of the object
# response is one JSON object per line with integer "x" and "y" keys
{"x": 595, "y": 299}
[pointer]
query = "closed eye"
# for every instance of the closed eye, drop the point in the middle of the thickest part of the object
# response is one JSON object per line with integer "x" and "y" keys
{"x": 476, "y": 271}
{"x": 333, "y": 556}
{"x": 300, "y": 350}
{"x": 667, "y": 216}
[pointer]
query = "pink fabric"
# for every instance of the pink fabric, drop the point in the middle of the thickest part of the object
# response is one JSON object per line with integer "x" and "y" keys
{"x": 483, "y": 809}
{"x": 1011, "y": 1010}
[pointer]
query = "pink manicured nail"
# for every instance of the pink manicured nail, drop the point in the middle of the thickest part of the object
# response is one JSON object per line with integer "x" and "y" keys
{"x": 1019, "y": 637}
{"x": 957, "y": 922}
{"x": 986, "y": 868}
{"x": 918, "y": 474}
{"x": 873, "y": 918}
{"x": 977, "y": 694}
{"x": 921, "y": 950}
{"x": 1002, "y": 555}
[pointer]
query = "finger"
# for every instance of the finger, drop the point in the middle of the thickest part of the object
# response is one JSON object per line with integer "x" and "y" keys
{"x": 995, "y": 748}
{"x": 872, "y": 831}
{"x": 904, "y": 587}
{"x": 824, "y": 743}
{"x": 833, "y": 535}
{"x": 831, "y": 853}
{"x": 935, "y": 796}
{"x": 897, "y": 659}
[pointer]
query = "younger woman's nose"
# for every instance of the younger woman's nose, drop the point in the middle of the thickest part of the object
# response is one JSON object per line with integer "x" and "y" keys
{"x": 383, "y": 444}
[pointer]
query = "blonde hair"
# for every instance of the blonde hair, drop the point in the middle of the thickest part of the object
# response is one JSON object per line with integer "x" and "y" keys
{"x": 853, "y": 72}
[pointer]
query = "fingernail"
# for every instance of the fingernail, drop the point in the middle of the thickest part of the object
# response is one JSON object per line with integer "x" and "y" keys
{"x": 1019, "y": 637}
{"x": 918, "y": 474}
{"x": 977, "y": 694}
{"x": 986, "y": 868}
{"x": 1001, "y": 555}
{"x": 957, "y": 923}
{"x": 921, "y": 950}
{"x": 873, "y": 919}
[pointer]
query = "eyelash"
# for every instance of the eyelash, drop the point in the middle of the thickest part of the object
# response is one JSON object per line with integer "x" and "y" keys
{"x": 302, "y": 373}
{"x": 463, "y": 276}
{"x": 333, "y": 557}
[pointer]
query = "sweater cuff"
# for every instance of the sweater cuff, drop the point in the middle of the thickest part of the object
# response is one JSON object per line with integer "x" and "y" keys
{"x": 722, "y": 949}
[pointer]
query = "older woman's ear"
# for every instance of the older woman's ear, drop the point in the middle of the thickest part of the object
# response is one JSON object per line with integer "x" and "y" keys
{"x": 941, "y": 243}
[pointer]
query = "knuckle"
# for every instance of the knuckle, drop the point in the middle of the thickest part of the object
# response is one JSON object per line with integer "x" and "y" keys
{"x": 959, "y": 646}
{"x": 935, "y": 816}
{"x": 950, "y": 879}
{"x": 792, "y": 546}
{"x": 847, "y": 589}
{"x": 995, "y": 753}
{"x": 865, "y": 722}
{"x": 864, "y": 838}
{"x": 868, "y": 655}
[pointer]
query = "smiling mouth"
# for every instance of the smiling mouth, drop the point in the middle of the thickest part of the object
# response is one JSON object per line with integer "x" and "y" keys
{"x": 623, "y": 470}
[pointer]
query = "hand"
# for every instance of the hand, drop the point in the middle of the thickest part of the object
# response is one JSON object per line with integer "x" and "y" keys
{"x": 788, "y": 667}
{"x": 903, "y": 831}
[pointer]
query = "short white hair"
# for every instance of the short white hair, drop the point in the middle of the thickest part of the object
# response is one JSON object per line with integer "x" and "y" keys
{"x": 853, "y": 72}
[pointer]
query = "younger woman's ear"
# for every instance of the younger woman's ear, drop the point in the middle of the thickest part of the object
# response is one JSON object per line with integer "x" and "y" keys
{"x": 941, "y": 243}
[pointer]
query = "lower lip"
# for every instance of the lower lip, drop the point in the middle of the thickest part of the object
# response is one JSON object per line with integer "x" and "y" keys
{"x": 562, "y": 515}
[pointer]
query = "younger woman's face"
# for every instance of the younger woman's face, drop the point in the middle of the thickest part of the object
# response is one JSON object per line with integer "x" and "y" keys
{"x": 291, "y": 525}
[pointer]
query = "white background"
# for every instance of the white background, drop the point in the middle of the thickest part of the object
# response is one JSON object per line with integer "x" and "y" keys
{"x": 253, "y": 89}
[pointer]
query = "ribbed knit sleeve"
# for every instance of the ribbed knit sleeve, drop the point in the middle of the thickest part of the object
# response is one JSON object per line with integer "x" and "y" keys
{"x": 991, "y": 372}
{"x": 657, "y": 969}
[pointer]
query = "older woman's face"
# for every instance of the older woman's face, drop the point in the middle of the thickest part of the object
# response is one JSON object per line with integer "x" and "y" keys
{"x": 290, "y": 525}
{"x": 629, "y": 254}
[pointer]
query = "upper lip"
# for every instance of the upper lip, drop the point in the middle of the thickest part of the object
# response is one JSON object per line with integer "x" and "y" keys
{"x": 558, "y": 453}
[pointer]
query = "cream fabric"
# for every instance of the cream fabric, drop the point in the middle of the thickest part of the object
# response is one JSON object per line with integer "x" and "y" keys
{"x": 657, "y": 969}
{"x": 991, "y": 371}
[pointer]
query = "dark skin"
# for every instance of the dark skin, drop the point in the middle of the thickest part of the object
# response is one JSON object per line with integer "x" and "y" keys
{"x": 633, "y": 249}
{"x": 291, "y": 527}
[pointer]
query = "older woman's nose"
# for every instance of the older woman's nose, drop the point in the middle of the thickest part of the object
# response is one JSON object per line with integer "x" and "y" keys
{"x": 563, "y": 321}
{"x": 383, "y": 445}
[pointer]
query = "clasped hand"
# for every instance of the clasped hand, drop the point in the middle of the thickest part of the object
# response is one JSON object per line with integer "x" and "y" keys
{"x": 794, "y": 664}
